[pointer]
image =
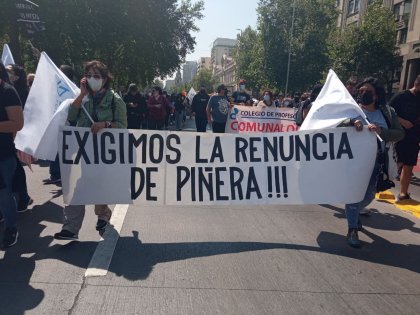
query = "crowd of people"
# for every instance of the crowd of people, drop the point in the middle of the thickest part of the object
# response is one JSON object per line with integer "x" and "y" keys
{"x": 98, "y": 107}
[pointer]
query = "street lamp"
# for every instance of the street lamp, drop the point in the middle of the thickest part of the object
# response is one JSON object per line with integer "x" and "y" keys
{"x": 290, "y": 49}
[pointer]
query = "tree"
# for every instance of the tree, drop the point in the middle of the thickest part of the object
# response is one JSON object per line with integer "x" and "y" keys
{"x": 204, "y": 78}
{"x": 138, "y": 39}
{"x": 367, "y": 50}
{"x": 249, "y": 56}
{"x": 312, "y": 24}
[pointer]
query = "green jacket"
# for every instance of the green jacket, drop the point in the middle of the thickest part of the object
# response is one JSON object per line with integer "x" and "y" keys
{"x": 111, "y": 108}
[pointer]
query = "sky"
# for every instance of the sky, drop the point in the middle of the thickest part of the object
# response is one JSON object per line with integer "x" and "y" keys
{"x": 222, "y": 18}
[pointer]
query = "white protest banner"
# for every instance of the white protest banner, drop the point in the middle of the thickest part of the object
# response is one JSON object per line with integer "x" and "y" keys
{"x": 333, "y": 105}
{"x": 50, "y": 88}
{"x": 191, "y": 94}
{"x": 6, "y": 56}
{"x": 180, "y": 168}
{"x": 252, "y": 119}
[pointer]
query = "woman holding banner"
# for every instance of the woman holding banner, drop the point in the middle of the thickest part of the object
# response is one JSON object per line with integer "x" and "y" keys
{"x": 382, "y": 120}
{"x": 11, "y": 121}
{"x": 97, "y": 107}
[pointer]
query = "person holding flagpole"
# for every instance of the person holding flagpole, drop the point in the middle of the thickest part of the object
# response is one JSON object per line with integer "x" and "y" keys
{"x": 11, "y": 121}
{"x": 97, "y": 107}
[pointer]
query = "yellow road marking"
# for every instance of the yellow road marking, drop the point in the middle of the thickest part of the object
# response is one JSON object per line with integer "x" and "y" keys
{"x": 412, "y": 206}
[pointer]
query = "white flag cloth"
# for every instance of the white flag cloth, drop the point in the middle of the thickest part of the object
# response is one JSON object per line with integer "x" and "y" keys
{"x": 333, "y": 105}
{"x": 191, "y": 94}
{"x": 43, "y": 114}
{"x": 6, "y": 56}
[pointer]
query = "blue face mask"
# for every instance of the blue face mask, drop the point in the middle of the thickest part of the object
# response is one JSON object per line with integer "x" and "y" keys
{"x": 267, "y": 98}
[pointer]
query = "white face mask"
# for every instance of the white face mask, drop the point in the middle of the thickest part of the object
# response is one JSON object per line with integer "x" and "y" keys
{"x": 95, "y": 84}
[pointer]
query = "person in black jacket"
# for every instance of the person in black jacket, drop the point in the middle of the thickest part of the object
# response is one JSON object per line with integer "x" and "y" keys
{"x": 199, "y": 105}
{"x": 136, "y": 107}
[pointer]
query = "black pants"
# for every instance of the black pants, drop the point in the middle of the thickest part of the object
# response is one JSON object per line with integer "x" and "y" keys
{"x": 218, "y": 127}
{"x": 156, "y": 124}
{"x": 201, "y": 124}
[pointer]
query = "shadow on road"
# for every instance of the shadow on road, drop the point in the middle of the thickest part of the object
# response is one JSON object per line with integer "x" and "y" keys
{"x": 135, "y": 260}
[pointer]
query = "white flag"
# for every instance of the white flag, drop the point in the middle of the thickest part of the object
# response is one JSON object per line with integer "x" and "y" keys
{"x": 6, "y": 56}
{"x": 50, "y": 88}
{"x": 333, "y": 105}
{"x": 191, "y": 94}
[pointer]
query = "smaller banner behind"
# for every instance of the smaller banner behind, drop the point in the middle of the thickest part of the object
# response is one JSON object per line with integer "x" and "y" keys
{"x": 6, "y": 56}
{"x": 256, "y": 119}
{"x": 150, "y": 167}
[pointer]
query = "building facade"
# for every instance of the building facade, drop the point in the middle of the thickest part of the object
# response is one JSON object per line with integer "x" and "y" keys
{"x": 203, "y": 63}
{"x": 222, "y": 62}
{"x": 189, "y": 70}
{"x": 407, "y": 35}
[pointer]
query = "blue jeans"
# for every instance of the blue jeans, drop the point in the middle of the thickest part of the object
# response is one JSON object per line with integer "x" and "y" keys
{"x": 353, "y": 209}
{"x": 7, "y": 200}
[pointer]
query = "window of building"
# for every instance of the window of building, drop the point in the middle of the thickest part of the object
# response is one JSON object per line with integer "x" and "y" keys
{"x": 397, "y": 9}
{"x": 407, "y": 11}
{"x": 403, "y": 36}
{"x": 353, "y": 7}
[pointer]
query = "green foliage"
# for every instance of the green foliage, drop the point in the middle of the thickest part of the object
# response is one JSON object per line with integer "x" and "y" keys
{"x": 367, "y": 50}
{"x": 138, "y": 39}
{"x": 204, "y": 78}
{"x": 314, "y": 20}
{"x": 249, "y": 56}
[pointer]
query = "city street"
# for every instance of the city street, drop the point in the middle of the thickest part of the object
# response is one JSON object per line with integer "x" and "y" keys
{"x": 212, "y": 260}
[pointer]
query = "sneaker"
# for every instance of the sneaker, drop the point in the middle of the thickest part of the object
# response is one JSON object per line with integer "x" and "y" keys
{"x": 402, "y": 197}
{"x": 366, "y": 211}
{"x": 66, "y": 235}
{"x": 10, "y": 237}
{"x": 101, "y": 225}
{"x": 24, "y": 206}
{"x": 353, "y": 238}
{"x": 51, "y": 180}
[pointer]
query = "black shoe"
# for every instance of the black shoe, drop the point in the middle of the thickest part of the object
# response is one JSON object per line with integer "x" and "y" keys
{"x": 353, "y": 238}
{"x": 10, "y": 238}
{"x": 101, "y": 225}
{"x": 22, "y": 207}
{"x": 52, "y": 180}
{"x": 66, "y": 235}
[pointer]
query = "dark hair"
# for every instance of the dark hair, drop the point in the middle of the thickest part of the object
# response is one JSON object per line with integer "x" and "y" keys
{"x": 221, "y": 87}
{"x": 102, "y": 68}
{"x": 3, "y": 73}
{"x": 68, "y": 71}
{"x": 21, "y": 84}
{"x": 417, "y": 78}
{"x": 269, "y": 93}
{"x": 315, "y": 91}
{"x": 379, "y": 90}
{"x": 158, "y": 88}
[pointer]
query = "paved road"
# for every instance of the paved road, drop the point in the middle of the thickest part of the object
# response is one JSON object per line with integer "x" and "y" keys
{"x": 214, "y": 260}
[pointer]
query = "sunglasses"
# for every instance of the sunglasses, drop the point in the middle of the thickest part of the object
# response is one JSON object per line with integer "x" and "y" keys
{"x": 95, "y": 76}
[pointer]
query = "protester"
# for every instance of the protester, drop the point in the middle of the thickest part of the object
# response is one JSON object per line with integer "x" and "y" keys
{"x": 306, "y": 105}
{"x": 407, "y": 107}
{"x": 267, "y": 100}
{"x": 180, "y": 102}
{"x": 382, "y": 120}
{"x": 136, "y": 107}
{"x": 17, "y": 77}
{"x": 241, "y": 97}
{"x": 199, "y": 105}
{"x": 11, "y": 121}
{"x": 107, "y": 110}
{"x": 157, "y": 105}
{"x": 218, "y": 109}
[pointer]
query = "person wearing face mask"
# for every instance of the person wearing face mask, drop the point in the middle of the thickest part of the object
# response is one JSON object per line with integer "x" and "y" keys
{"x": 158, "y": 105}
{"x": 407, "y": 106}
{"x": 267, "y": 100}
{"x": 199, "y": 104}
{"x": 11, "y": 121}
{"x": 136, "y": 107}
{"x": 383, "y": 120}
{"x": 218, "y": 109}
{"x": 107, "y": 110}
{"x": 241, "y": 97}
